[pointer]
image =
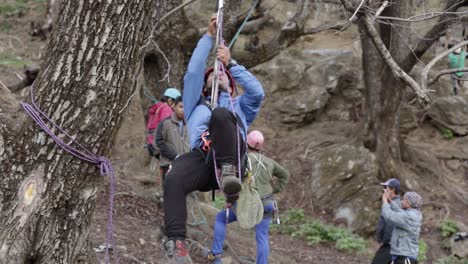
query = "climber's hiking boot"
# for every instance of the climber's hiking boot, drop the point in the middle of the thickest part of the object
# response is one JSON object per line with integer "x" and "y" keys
{"x": 230, "y": 183}
{"x": 177, "y": 250}
{"x": 208, "y": 254}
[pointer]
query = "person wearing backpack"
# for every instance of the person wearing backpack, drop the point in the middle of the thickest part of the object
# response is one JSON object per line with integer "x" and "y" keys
{"x": 172, "y": 137}
{"x": 156, "y": 113}
{"x": 217, "y": 138}
{"x": 263, "y": 170}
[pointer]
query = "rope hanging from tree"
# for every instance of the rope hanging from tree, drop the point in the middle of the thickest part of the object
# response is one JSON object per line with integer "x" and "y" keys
{"x": 82, "y": 153}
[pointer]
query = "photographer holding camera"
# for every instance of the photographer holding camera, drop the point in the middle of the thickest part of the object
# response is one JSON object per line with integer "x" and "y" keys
{"x": 384, "y": 229}
{"x": 407, "y": 225}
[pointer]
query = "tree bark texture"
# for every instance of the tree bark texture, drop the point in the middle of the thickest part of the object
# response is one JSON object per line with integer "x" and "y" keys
{"x": 47, "y": 196}
{"x": 384, "y": 91}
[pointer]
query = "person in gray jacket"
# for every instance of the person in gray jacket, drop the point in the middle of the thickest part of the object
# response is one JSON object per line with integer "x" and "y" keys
{"x": 384, "y": 229}
{"x": 407, "y": 223}
{"x": 172, "y": 137}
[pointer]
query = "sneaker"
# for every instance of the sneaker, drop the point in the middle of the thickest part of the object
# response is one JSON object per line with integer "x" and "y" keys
{"x": 181, "y": 253}
{"x": 215, "y": 259}
{"x": 178, "y": 251}
{"x": 230, "y": 184}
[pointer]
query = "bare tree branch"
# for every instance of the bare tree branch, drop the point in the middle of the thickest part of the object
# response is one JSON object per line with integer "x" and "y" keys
{"x": 428, "y": 67}
{"x": 433, "y": 34}
{"x": 445, "y": 72}
{"x": 340, "y": 26}
{"x": 356, "y": 11}
{"x": 390, "y": 62}
{"x": 421, "y": 17}
{"x": 256, "y": 52}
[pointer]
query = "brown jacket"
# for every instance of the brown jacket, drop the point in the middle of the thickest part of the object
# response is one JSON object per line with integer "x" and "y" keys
{"x": 170, "y": 140}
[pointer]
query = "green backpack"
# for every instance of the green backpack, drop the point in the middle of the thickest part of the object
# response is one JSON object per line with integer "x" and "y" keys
{"x": 249, "y": 209}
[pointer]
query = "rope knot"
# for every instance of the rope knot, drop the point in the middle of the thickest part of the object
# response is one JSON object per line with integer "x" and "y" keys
{"x": 104, "y": 165}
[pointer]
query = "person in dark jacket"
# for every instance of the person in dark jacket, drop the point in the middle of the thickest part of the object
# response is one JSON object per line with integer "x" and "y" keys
{"x": 172, "y": 137}
{"x": 219, "y": 164}
{"x": 384, "y": 229}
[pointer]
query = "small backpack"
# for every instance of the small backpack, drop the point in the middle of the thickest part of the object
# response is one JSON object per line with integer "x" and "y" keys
{"x": 154, "y": 119}
{"x": 249, "y": 209}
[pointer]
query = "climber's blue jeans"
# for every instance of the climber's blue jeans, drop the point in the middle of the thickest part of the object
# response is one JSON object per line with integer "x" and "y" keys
{"x": 261, "y": 233}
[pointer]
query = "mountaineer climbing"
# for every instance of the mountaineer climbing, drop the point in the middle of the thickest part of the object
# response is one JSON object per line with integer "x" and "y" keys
{"x": 407, "y": 222}
{"x": 172, "y": 137}
{"x": 263, "y": 170}
{"x": 216, "y": 160}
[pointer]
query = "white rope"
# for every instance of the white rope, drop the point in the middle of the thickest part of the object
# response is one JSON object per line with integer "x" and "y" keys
{"x": 219, "y": 37}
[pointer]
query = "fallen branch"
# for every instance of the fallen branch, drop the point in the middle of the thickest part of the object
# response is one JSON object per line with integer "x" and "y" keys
{"x": 390, "y": 62}
{"x": 428, "y": 67}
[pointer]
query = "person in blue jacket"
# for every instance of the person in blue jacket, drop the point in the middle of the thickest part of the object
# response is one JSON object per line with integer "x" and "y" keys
{"x": 227, "y": 126}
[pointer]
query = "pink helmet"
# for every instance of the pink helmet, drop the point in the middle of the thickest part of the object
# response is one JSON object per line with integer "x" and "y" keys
{"x": 255, "y": 140}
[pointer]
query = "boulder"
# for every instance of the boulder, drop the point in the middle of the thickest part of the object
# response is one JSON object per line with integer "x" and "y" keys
{"x": 460, "y": 247}
{"x": 344, "y": 178}
{"x": 450, "y": 112}
{"x": 302, "y": 106}
{"x": 300, "y": 81}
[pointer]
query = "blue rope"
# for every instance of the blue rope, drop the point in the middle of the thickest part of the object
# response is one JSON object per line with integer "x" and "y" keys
{"x": 243, "y": 24}
{"x": 149, "y": 95}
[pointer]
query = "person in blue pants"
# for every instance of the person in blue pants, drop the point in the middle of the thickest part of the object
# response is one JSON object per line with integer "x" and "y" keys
{"x": 263, "y": 169}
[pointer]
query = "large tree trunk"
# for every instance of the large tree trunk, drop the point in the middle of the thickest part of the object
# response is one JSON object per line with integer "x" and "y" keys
{"x": 47, "y": 196}
{"x": 385, "y": 93}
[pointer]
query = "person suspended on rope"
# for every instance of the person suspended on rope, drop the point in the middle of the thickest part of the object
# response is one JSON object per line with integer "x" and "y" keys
{"x": 263, "y": 170}
{"x": 456, "y": 61}
{"x": 217, "y": 137}
{"x": 172, "y": 137}
{"x": 156, "y": 113}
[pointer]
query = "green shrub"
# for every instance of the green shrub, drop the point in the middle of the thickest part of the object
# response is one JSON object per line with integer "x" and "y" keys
{"x": 219, "y": 202}
{"x": 447, "y": 133}
{"x": 451, "y": 260}
{"x": 422, "y": 256}
{"x": 448, "y": 228}
{"x": 296, "y": 224}
{"x": 6, "y": 9}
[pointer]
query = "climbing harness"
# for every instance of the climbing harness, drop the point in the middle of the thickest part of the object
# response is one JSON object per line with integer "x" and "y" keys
{"x": 275, "y": 214}
{"x": 206, "y": 141}
{"x": 82, "y": 153}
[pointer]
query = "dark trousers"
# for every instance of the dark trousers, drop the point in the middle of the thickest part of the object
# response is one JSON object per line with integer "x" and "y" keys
{"x": 382, "y": 256}
{"x": 195, "y": 171}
